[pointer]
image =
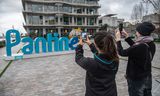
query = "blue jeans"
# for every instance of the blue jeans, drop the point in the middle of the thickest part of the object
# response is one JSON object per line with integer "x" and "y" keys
{"x": 140, "y": 87}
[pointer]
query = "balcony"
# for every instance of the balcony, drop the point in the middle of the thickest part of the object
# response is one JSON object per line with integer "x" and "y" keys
{"x": 63, "y": 12}
{"x": 69, "y": 2}
{"x": 62, "y": 25}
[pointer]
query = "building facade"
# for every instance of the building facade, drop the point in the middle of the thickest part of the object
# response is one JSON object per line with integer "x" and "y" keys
{"x": 110, "y": 20}
{"x": 61, "y": 16}
{"x": 153, "y": 18}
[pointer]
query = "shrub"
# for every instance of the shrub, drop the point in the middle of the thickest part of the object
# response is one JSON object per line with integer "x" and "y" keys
{"x": 2, "y": 43}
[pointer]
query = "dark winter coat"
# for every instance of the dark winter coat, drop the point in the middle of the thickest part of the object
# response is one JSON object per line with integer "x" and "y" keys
{"x": 139, "y": 58}
{"x": 100, "y": 73}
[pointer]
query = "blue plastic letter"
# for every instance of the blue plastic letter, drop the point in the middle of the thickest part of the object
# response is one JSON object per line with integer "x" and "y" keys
{"x": 72, "y": 42}
{"x": 63, "y": 41}
{"x": 56, "y": 43}
{"x": 37, "y": 41}
{"x": 9, "y": 43}
{"x": 29, "y": 46}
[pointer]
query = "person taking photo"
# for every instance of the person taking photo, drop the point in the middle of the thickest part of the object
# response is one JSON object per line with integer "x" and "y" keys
{"x": 102, "y": 69}
{"x": 140, "y": 55}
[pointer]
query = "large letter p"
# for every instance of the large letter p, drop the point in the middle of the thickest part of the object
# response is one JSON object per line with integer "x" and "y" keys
{"x": 9, "y": 43}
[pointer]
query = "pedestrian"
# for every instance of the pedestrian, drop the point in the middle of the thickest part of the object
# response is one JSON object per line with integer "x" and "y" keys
{"x": 100, "y": 70}
{"x": 140, "y": 55}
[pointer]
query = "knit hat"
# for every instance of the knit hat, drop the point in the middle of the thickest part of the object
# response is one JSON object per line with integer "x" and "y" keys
{"x": 145, "y": 28}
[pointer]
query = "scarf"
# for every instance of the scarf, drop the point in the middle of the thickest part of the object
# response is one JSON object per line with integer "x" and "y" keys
{"x": 144, "y": 39}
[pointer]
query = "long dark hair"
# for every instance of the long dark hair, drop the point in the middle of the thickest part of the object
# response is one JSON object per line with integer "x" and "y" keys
{"x": 105, "y": 41}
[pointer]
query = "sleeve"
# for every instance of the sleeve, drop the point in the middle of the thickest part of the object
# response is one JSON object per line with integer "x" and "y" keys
{"x": 125, "y": 52}
{"x": 129, "y": 41}
{"x": 93, "y": 48}
{"x": 81, "y": 60}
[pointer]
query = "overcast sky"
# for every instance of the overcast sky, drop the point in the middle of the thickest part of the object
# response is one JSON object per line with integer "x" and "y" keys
{"x": 11, "y": 11}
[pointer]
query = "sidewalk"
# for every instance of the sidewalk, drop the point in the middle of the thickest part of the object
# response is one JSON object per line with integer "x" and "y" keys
{"x": 55, "y": 76}
{"x": 156, "y": 61}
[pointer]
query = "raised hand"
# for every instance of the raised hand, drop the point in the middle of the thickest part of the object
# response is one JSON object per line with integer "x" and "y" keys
{"x": 81, "y": 41}
{"x": 88, "y": 41}
{"x": 117, "y": 35}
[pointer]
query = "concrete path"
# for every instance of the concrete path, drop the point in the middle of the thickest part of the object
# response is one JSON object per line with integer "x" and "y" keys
{"x": 56, "y": 76}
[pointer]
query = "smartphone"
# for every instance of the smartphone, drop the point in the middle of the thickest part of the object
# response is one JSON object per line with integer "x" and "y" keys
{"x": 84, "y": 35}
{"x": 121, "y": 27}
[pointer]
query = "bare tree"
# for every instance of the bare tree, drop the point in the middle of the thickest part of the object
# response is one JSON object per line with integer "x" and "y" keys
{"x": 158, "y": 6}
{"x": 137, "y": 12}
{"x": 155, "y": 4}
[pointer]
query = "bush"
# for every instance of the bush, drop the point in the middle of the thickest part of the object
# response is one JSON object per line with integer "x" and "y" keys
{"x": 2, "y": 44}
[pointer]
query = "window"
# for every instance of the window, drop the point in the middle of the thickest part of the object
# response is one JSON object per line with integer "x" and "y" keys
{"x": 67, "y": 9}
{"x": 91, "y": 11}
{"x": 79, "y": 10}
{"x": 79, "y": 1}
{"x": 29, "y": 7}
{"x": 35, "y": 20}
{"x": 79, "y": 21}
{"x": 50, "y": 20}
{"x": 66, "y": 20}
{"x": 91, "y": 22}
{"x": 50, "y": 8}
{"x": 30, "y": 19}
{"x": 37, "y": 8}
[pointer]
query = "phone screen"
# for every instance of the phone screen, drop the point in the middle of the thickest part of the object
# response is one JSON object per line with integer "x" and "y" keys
{"x": 84, "y": 35}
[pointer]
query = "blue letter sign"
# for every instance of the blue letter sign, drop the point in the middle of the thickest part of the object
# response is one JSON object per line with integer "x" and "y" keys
{"x": 60, "y": 44}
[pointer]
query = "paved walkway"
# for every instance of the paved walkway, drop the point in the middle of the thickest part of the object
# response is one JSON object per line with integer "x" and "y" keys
{"x": 55, "y": 76}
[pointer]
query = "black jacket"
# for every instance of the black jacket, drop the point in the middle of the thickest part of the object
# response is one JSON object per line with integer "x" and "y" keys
{"x": 100, "y": 75}
{"x": 139, "y": 58}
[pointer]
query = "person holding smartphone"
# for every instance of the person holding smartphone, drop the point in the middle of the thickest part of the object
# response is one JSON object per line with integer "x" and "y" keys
{"x": 140, "y": 55}
{"x": 102, "y": 69}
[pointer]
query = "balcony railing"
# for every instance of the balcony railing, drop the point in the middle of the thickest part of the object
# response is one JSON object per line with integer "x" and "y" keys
{"x": 62, "y": 12}
{"x": 61, "y": 25}
{"x": 79, "y": 2}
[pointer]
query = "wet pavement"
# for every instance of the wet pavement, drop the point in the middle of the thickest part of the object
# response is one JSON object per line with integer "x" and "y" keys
{"x": 58, "y": 76}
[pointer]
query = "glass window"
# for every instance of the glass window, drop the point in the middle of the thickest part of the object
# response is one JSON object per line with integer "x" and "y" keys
{"x": 50, "y": 20}
{"x": 30, "y": 19}
{"x": 29, "y": 7}
{"x": 50, "y": 8}
{"x": 92, "y": 1}
{"x": 36, "y": 7}
{"x": 91, "y": 21}
{"x": 60, "y": 8}
{"x": 56, "y": 8}
{"x": 66, "y": 20}
{"x": 67, "y": 9}
{"x": 35, "y": 20}
{"x": 79, "y": 21}
{"x": 91, "y": 11}
{"x": 79, "y": 10}
{"x": 79, "y": 1}
{"x": 70, "y": 1}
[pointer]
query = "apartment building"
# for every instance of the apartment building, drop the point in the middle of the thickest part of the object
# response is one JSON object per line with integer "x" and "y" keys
{"x": 61, "y": 16}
